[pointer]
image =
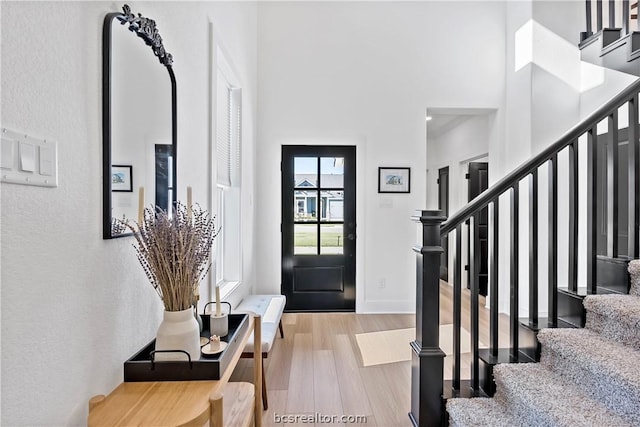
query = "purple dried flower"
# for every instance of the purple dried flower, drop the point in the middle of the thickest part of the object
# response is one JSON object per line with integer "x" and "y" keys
{"x": 175, "y": 252}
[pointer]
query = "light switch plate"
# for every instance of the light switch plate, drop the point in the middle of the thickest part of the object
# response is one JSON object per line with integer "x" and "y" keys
{"x": 6, "y": 155}
{"x": 27, "y": 160}
{"x": 46, "y": 161}
{"x": 27, "y": 157}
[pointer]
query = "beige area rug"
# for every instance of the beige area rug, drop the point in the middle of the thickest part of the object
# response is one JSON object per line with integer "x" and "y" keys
{"x": 392, "y": 346}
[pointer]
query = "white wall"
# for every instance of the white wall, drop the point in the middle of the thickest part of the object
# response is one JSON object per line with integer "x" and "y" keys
{"x": 610, "y": 83}
{"x": 74, "y": 306}
{"x": 547, "y": 91}
{"x": 466, "y": 142}
{"x": 365, "y": 73}
{"x": 547, "y": 94}
{"x": 543, "y": 82}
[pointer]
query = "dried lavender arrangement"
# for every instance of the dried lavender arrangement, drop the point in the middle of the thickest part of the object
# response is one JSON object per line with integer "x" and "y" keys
{"x": 174, "y": 251}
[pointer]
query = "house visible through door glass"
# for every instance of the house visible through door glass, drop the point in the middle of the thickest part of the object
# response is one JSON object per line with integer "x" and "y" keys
{"x": 318, "y": 204}
{"x": 305, "y": 239}
{"x": 332, "y": 172}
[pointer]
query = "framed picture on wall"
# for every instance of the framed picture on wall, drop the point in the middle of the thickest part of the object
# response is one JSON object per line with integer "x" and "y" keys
{"x": 121, "y": 178}
{"x": 394, "y": 180}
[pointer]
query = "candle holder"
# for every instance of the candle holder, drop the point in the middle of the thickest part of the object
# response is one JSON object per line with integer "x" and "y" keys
{"x": 218, "y": 324}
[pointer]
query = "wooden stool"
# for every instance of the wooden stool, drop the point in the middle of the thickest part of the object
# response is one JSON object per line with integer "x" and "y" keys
{"x": 236, "y": 403}
{"x": 186, "y": 403}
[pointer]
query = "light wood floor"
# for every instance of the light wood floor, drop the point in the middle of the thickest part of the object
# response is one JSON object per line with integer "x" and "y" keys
{"x": 317, "y": 367}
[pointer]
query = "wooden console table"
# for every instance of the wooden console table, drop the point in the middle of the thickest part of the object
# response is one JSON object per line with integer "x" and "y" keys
{"x": 187, "y": 403}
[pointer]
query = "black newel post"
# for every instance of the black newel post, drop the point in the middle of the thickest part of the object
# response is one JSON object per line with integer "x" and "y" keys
{"x": 427, "y": 359}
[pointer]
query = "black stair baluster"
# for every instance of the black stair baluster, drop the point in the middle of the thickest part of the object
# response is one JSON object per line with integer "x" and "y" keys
{"x": 589, "y": 20}
{"x": 457, "y": 306}
{"x": 533, "y": 248}
{"x": 612, "y": 13}
{"x": 612, "y": 186}
{"x": 573, "y": 217}
{"x": 493, "y": 277}
{"x": 474, "y": 301}
{"x": 553, "y": 239}
{"x": 592, "y": 209}
{"x": 599, "y": 14}
{"x": 634, "y": 180}
{"x": 625, "y": 17}
{"x": 514, "y": 324}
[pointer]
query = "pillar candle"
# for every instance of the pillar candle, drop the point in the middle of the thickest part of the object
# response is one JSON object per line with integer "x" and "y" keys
{"x": 189, "y": 202}
{"x": 140, "y": 206}
{"x": 218, "y": 312}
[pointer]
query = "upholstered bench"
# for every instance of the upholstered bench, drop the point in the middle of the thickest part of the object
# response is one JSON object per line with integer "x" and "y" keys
{"x": 270, "y": 307}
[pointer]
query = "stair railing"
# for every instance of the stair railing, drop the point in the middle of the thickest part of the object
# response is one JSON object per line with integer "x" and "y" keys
{"x": 624, "y": 23}
{"x": 428, "y": 386}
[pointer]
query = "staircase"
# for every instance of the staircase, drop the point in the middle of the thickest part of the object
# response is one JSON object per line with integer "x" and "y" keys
{"x": 586, "y": 377}
{"x": 553, "y": 371}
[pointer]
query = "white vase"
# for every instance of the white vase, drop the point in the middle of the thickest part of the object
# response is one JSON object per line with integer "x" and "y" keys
{"x": 178, "y": 330}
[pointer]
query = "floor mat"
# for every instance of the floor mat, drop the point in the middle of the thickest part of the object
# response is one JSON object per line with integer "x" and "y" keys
{"x": 392, "y": 346}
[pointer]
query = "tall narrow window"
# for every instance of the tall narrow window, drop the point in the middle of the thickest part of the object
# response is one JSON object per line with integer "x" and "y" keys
{"x": 223, "y": 131}
{"x": 220, "y": 239}
{"x": 227, "y": 157}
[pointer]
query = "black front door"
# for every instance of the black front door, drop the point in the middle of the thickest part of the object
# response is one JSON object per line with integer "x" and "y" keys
{"x": 443, "y": 205}
{"x": 319, "y": 227}
{"x": 478, "y": 182}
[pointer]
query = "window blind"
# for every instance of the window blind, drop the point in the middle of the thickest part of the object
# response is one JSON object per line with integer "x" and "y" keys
{"x": 236, "y": 104}
{"x": 223, "y": 131}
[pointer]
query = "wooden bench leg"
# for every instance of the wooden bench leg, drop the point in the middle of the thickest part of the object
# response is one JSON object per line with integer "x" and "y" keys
{"x": 281, "y": 330}
{"x": 265, "y": 403}
{"x": 216, "y": 409}
{"x": 95, "y": 401}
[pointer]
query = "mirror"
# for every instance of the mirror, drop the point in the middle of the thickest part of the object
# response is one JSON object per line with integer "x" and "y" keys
{"x": 139, "y": 121}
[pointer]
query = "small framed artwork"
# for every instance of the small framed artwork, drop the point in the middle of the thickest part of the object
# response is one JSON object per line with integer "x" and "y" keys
{"x": 394, "y": 180}
{"x": 121, "y": 178}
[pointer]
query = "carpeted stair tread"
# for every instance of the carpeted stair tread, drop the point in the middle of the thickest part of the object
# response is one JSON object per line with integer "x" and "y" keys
{"x": 540, "y": 397}
{"x": 603, "y": 369}
{"x": 616, "y": 317}
{"x": 479, "y": 412}
{"x": 591, "y": 349}
{"x": 614, "y": 305}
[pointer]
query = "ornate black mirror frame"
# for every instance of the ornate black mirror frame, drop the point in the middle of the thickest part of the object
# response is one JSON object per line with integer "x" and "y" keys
{"x": 144, "y": 28}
